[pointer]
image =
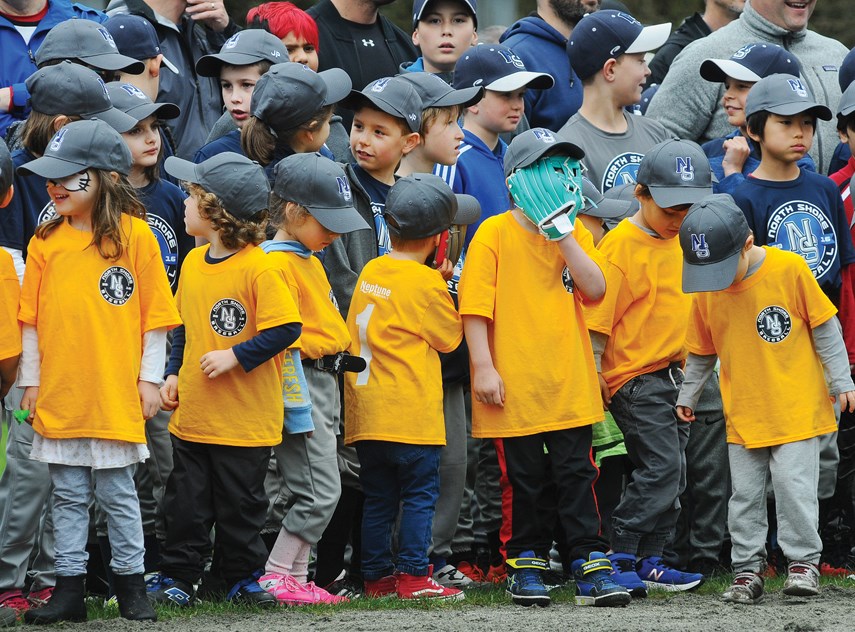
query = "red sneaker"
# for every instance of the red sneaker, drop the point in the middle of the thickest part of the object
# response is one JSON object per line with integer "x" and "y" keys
{"x": 498, "y": 574}
{"x": 472, "y": 571}
{"x": 425, "y": 587}
{"x": 827, "y": 570}
{"x": 15, "y": 600}
{"x": 383, "y": 587}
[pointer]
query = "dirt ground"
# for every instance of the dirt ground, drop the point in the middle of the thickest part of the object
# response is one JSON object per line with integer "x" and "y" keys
{"x": 834, "y": 609}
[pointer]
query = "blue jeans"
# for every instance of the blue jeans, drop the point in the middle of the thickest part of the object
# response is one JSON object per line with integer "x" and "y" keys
{"x": 393, "y": 476}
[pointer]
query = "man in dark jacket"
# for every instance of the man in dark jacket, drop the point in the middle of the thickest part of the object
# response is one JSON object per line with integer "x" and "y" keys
{"x": 355, "y": 37}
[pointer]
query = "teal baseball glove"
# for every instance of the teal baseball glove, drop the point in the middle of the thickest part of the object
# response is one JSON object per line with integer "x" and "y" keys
{"x": 549, "y": 193}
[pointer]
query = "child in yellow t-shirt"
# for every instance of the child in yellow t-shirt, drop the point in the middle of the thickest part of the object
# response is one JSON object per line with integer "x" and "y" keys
{"x": 224, "y": 382}
{"x": 400, "y": 317}
{"x": 310, "y": 207}
{"x": 10, "y": 290}
{"x": 763, "y": 315}
{"x": 639, "y": 332}
{"x": 95, "y": 309}
{"x": 533, "y": 377}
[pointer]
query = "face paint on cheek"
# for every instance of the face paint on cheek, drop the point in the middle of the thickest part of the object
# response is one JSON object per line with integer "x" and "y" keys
{"x": 75, "y": 183}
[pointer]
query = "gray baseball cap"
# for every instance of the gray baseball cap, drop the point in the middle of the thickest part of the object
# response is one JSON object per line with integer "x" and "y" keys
{"x": 79, "y": 146}
{"x": 751, "y": 63}
{"x": 784, "y": 95}
{"x": 597, "y": 205}
{"x": 72, "y": 89}
{"x": 422, "y": 205}
{"x": 712, "y": 237}
{"x": 436, "y": 93}
{"x": 676, "y": 172}
{"x": 289, "y": 93}
{"x": 86, "y": 41}
{"x": 393, "y": 95}
{"x": 528, "y": 147}
{"x": 847, "y": 102}
{"x": 242, "y": 49}
{"x": 134, "y": 102}
{"x": 625, "y": 194}
{"x": 7, "y": 169}
{"x": 322, "y": 186}
{"x": 239, "y": 182}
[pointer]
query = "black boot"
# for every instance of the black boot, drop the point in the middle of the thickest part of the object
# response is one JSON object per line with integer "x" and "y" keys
{"x": 131, "y": 595}
{"x": 66, "y": 603}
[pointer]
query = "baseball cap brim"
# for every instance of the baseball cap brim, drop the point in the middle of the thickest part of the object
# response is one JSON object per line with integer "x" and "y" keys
{"x": 718, "y": 70}
{"x": 165, "y": 62}
{"x": 468, "y": 210}
{"x": 209, "y": 65}
{"x": 522, "y": 79}
{"x": 669, "y": 196}
{"x": 607, "y": 209}
{"x": 356, "y": 100}
{"x": 650, "y": 38}
{"x": 847, "y": 102}
{"x": 181, "y": 169}
{"x": 341, "y": 220}
{"x": 51, "y": 168}
{"x": 115, "y": 118}
{"x": 115, "y": 61}
{"x": 710, "y": 277}
{"x": 464, "y": 97}
{"x": 338, "y": 85}
{"x": 162, "y": 110}
{"x": 798, "y": 107}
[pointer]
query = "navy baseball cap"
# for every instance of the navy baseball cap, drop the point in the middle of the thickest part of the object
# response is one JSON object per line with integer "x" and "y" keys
{"x": 784, "y": 95}
{"x": 242, "y": 49}
{"x": 526, "y": 148}
{"x": 394, "y": 96}
{"x": 79, "y": 146}
{"x": 419, "y": 7}
{"x": 676, "y": 172}
{"x": 497, "y": 67}
{"x": 322, "y": 187}
{"x": 436, "y": 93}
{"x": 605, "y": 35}
{"x": 712, "y": 237}
{"x": 846, "y": 74}
{"x": 88, "y": 42}
{"x": 751, "y": 63}
{"x": 239, "y": 182}
{"x": 135, "y": 37}
{"x": 134, "y": 102}
{"x": 7, "y": 170}
{"x": 422, "y": 205}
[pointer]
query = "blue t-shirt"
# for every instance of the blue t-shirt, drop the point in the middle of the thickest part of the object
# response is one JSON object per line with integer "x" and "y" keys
{"x": 164, "y": 206}
{"x": 227, "y": 142}
{"x": 378, "y": 192}
{"x": 804, "y": 216}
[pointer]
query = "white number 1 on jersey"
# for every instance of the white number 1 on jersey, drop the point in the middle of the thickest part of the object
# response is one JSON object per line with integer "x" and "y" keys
{"x": 364, "y": 350}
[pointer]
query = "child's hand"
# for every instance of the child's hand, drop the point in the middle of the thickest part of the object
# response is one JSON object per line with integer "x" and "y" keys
{"x": 604, "y": 391}
{"x": 169, "y": 394}
{"x": 846, "y": 401}
{"x": 736, "y": 152}
{"x": 685, "y": 413}
{"x": 446, "y": 269}
{"x": 28, "y": 402}
{"x": 215, "y": 363}
{"x": 488, "y": 387}
{"x": 149, "y": 398}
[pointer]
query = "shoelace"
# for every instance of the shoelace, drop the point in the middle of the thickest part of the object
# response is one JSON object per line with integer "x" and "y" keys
{"x": 802, "y": 569}
{"x": 743, "y": 579}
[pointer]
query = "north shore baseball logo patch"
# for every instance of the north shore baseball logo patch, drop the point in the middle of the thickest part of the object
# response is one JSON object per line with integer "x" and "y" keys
{"x": 699, "y": 245}
{"x": 117, "y": 285}
{"x": 774, "y": 324}
{"x": 684, "y": 168}
{"x": 801, "y": 227}
{"x": 228, "y": 317}
{"x": 622, "y": 169}
{"x": 167, "y": 239}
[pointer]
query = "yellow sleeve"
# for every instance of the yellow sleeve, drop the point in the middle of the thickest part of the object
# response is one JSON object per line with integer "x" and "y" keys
{"x": 28, "y": 311}
{"x": 274, "y": 305}
{"x": 442, "y": 327}
{"x": 699, "y": 339}
{"x": 477, "y": 289}
{"x": 10, "y": 294}
{"x": 815, "y": 307}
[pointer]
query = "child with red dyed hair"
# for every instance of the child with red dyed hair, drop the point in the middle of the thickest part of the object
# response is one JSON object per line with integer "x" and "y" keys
{"x": 292, "y": 25}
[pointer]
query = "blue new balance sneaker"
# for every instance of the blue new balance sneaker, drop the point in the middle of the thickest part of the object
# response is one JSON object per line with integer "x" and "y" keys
{"x": 595, "y": 584}
{"x": 164, "y": 590}
{"x": 525, "y": 580}
{"x": 624, "y": 573}
{"x": 659, "y": 576}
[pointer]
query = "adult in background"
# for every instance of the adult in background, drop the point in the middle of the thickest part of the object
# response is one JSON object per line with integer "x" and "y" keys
{"x": 691, "y": 109}
{"x": 355, "y": 37}
{"x": 187, "y": 30}
{"x": 540, "y": 40}
{"x": 716, "y": 14}
{"x": 23, "y": 26}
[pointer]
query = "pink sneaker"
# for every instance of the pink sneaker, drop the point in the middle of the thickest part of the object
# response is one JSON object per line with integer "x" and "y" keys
{"x": 323, "y": 596}
{"x": 286, "y": 589}
{"x": 39, "y": 598}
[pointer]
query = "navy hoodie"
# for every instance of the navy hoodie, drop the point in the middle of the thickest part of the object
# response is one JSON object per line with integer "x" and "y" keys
{"x": 543, "y": 49}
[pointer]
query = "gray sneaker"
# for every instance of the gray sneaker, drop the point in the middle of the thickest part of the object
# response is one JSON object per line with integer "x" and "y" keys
{"x": 802, "y": 579}
{"x": 747, "y": 588}
{"x": 450, "y": 577}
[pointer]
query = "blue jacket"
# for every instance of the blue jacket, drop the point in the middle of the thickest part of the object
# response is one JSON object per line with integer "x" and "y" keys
{"x": 30, "y": 206}
{"x": 17, "y": 61}
{"x": 543, "y": 49}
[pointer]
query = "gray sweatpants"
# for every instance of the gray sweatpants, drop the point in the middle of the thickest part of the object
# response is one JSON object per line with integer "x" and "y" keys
{"x": 794, "y": 469}
{"x": 309, "y": 466}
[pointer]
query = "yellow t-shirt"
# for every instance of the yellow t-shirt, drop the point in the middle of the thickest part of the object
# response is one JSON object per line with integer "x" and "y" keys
{"x": 324, "y": 331}
{"x": 772, "y": 382}
{"x": 10, "y": 293}
{"x": 538, "y": 339}
{"x": 90, "y": 314}
{"x": 644, "y": 312}
{"x": 401, "y": 314}
{"x": 224, "y": 304}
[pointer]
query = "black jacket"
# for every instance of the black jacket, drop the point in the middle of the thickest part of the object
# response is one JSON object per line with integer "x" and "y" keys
{"x": 692, "y": 28}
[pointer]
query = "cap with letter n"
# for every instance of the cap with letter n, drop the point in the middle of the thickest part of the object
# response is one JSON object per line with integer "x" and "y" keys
{"x": 531, "y": 145}
{"x": 322, "y": 187}
{"x": 393, "y": 95}
{"x": 242, "y": 49}
{"x": 88, "y": 42}
{"x": 712, "y": 237}
{"x": 785, "y": 95}
{"x": 422, "y": 205}
{"x": 751, "y": 63}
{"x": 676, "y": 172}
